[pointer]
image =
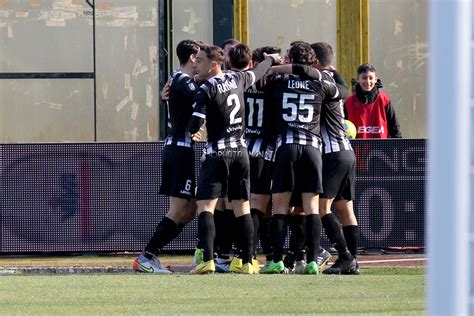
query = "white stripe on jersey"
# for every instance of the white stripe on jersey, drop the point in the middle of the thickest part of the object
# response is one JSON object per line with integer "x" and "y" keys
{"x": 233, "y": 143}
{"x": 220, "y": 144}
{"x": 203, "y": 116}
{"x": 253, "y": 76}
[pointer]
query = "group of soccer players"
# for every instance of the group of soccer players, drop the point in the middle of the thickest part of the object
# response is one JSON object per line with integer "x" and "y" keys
{"x": 276, "y": 157}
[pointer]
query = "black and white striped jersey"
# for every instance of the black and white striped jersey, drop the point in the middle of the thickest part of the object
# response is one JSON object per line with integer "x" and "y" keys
{"x": 180, "y": 109}
{"x": 260, "y": 130}
{"x": 332, "y": 112}
{"x": 332, "y": 119}
{"x": 220, "y": 101}
{"x": 299, "y": 103}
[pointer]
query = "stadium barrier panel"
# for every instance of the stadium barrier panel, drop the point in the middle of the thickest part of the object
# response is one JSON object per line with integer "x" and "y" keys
{"x": 81, "y": 197}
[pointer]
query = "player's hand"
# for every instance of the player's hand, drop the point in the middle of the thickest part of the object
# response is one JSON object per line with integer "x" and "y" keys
{"x": 198, "y": 135}
{"x": 165, "y": 93}
{"x": 276, "y": 58}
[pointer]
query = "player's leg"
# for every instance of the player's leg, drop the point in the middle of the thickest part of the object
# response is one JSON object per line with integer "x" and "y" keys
{"x": 265, "y": 234}
{"x": 224, "y": 221}
{"x": 309, "y": 173}
{"x": 239, "y": 194}
{"x": 258, "y": 208}
{"x": 279, "y": 229}
{"x": 332, "y": 226}
{"x": 297, "y": 227}
{"x": 350, "y": 227}
{"x": 283, "y": 183}
{"x": 178, "y": 184}
{"x": 345, "y": 209}
{"x": 212, "y": 184}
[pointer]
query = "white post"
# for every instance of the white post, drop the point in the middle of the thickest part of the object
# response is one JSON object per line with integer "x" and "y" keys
{"x": 449, "y": 140}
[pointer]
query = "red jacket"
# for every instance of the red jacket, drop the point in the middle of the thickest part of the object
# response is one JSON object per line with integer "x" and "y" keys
{"x": 371, "y": 119}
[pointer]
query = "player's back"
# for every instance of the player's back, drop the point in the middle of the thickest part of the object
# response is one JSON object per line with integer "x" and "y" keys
{"x": 299, "y": 106}
{"x": 180, "y": 108}
{"x": 225, "y": 110}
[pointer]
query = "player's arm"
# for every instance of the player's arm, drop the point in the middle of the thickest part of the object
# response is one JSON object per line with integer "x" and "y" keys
{"x": 334, "y": 91}
{"x": 255, "y": 74}
{"x": 304, "y": 71}
{"x": 199, "y": 115}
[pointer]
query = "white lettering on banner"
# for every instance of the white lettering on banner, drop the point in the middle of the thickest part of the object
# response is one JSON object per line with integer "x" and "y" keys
{"x": 370, "y": 130}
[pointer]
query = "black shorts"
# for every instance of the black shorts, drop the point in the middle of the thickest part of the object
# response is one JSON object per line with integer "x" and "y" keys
{"x": 178, "y": 177}
{"x": 339, "y": 175}
{"x": 260, "y": 175}
{"x": 297, "y": 168}
{"x": 225, "y": 174}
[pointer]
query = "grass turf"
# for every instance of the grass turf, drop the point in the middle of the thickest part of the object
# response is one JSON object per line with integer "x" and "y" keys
{"x": 399, "y": 291}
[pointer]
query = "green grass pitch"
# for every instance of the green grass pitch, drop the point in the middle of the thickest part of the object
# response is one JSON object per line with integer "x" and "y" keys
{"x": 377, "y": 291}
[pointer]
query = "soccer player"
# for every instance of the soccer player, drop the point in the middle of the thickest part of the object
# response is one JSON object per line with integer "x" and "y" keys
{"x": 225, "y": 170}
{"x": 260, "y": 135}
{"x": 298, "y": 164}
{"x": 338, "y": 170}
{"x": 178, "y": 180}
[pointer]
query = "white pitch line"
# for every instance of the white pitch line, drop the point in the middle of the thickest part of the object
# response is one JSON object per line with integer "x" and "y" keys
{"x": 393, "y": 260}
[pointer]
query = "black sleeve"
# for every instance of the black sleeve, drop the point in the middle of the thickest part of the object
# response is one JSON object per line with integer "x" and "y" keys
{"x": 255, "y": 74}
{"x": 306, "y": 72}
{"x": 392, "y": 122}
{"x": 199, "y": 114}
{"x": 338, "y": 78}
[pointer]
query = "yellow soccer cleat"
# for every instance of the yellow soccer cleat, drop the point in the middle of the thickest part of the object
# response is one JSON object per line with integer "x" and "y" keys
{"x": 204, "y": 268}
{"x": 236, "y": 265}
{"x": 248, "y": 269}
{"x": 256, "y": 266}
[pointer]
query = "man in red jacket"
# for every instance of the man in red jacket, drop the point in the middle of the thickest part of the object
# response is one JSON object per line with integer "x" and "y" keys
{"x": 370, "y": 109}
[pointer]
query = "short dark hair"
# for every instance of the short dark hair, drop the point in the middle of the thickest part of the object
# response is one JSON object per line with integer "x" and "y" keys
{"x": 301, "y": 53}
{"x": 324, "y": 53}
{"x": 364, "y": 68}
{"x": 231, "y": 41}
{"x": 256, "y": 54}
{"x": 240, "y": 56}
{"x": 185, "y": 49}
{"x": 268, "y": 50}
{"x": 296, "y": 42}
{"x": 214, "y": 53}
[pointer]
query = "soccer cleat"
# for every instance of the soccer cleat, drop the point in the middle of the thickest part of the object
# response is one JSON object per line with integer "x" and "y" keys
{"x": 143, "y": 264}
{"x": 204, "y": 268}
{"x": 273, "y": 268}
{"x": 300, "y": 266}
{"x": 248, "y": 269}
{"x": 311, "y": 268}
{"x": 236, "y": 265}
{"x": 256, "y": 266}
{"x": 323, "y": 259}
{"x": 198, "y": 257}
{"x": 342, "y": 266}
{"x": 355, "y": 271}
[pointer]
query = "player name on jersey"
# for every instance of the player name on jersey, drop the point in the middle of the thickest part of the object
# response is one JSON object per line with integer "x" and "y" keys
{"x": 297, "y": 84}
{"x": 226, "y": 86}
